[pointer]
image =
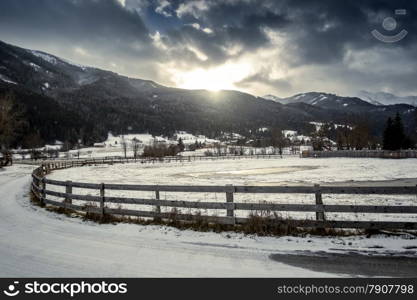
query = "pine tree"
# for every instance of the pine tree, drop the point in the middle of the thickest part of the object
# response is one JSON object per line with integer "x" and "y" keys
{"x": 394, "y": 136}
{"x": 399, "y": 135}
{"x": 388, "y": 135}
{"x": 11, "y": 121}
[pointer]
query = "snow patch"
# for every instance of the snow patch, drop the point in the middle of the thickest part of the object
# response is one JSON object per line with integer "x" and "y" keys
{"x": 299, "y": 96}
{"x": 49, "y": 58}
{"x": 6, "y": 79}
{"x": 35, "y": 66}
{"x": 75, "y": 64}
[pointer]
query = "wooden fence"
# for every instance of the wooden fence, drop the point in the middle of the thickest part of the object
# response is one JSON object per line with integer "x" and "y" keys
{"x": 362, "y": 153}
{"x": 40, "y": 183}
{"x": 119, "y": 159}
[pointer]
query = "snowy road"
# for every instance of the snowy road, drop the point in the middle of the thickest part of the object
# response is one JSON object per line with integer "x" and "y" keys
{"x": 38, "y": 243}
{"x": 35, "y": 242}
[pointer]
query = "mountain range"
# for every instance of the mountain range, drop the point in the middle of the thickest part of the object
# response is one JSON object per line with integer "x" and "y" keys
{"x": 325, "y": 99}
{"x": 65, "y": 101}
{"x": 382, "y": 98}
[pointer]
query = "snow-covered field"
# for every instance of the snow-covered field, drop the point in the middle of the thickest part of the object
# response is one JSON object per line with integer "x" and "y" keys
{"x": 35, "y": 242}
{"x": 286, "y": 171}
{"x": 114, "y": 145}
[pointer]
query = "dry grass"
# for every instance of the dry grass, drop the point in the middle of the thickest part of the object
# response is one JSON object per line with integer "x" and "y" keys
{"x": 258, "y": 225}
{"x": 272, "y": 224}
{"x": 262, "y": 223}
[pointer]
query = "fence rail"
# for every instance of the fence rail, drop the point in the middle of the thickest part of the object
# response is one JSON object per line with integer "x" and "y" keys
{"x": 139, "y": 159}
{"x": 362, "y": 153}
{"x": 40, "y": 183}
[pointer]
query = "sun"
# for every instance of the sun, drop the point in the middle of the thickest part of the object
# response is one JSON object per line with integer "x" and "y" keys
{"x": 204, "y": 79}
{"x": 223, "y": 77}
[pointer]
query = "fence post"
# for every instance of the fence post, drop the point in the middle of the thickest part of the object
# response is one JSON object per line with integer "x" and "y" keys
{"x": 102, "y": 200}
{"x": 157, "y": 207}
{"x": 43, "y": 194}
{"x": 319, "y": 203}
{"x": 229, "y": 199}
{"x": 68, "y": 190}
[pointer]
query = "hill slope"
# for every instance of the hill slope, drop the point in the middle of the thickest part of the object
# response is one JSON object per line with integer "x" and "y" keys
{"x": 65, "y": 101}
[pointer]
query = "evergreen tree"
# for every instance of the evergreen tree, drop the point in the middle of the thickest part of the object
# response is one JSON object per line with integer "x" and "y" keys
{"x": 387, "y": 143}
{"x": 11, "y": 121}
{"x": 394, "y": 136}
{"x": 181, "y": 145}
{"x": 399, "y": 135}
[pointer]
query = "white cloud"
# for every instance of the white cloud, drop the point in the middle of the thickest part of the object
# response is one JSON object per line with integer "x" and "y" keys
{"x": 81, "y": 51}
{"x": 379, "y": 61}
{"x": 193, "y": 8}
{"x": 208, "y": 30}
{"x": 200, "y": 55}
{"x": 162, "y": 8}
{"x": 158, "y": 41}
{"x": 196, "y": 26}
{"x": 199, "y": 27}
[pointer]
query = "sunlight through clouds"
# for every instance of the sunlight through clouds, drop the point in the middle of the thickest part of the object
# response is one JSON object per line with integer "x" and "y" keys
{"x": 219, "y": 78}
{"x": 286, "y": 46}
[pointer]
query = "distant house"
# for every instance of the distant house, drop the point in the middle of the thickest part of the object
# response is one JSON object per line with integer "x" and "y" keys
{"x": 57, "y": 145}
{"x": 159, "y": 141}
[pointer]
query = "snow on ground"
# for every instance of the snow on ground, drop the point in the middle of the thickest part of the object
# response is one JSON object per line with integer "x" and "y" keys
{"x": 286, "y": 171}
{"x": 293, "y": 136}
{"x": 6, "y": 79}
{"x": 188, "y": 138}
{"x": 319, "y": 125}
{"x": 144, "y": 138}
{"x": 112, "y": 146}
{"x": 49, "y": 58}
{"x": 38, "y": 243}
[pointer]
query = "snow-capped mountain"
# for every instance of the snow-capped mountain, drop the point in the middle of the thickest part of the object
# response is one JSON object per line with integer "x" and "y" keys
{"x": 49, "y": 74}
{"x": 68, "y": 102}
{"x": 327, "y": 101}
{"x": 382, "y": 98}
{"x": 272, "y": 98}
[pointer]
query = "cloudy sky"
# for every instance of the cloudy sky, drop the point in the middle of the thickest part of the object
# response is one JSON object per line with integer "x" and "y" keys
{"x": 261, "y": 47}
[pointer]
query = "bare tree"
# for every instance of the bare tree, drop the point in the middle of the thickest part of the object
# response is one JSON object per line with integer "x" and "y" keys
{"x": 361, "y": 136}
{"x": 135, "y": 147}
{"x": 11, "y": 120}
{"x": 123, "y": 142}
{"x": 278, "y": 139}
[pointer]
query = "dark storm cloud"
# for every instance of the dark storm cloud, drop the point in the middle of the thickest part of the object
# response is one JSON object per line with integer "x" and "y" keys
{"x": 77, "y": 19}
{"x": 318, "y": 31}
{"x": 327, "y": 36}
{"x": 231, "y": 23}
{"x": 262, "y": 78}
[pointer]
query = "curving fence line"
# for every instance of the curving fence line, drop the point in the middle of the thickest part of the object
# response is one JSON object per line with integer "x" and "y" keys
{"x": 361, "y": 154}
{"x": 129, "y": 159}
{"x": 40, "y": 183}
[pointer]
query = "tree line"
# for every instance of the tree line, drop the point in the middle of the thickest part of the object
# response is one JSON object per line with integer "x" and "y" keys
{"x": 18, "y": 124}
